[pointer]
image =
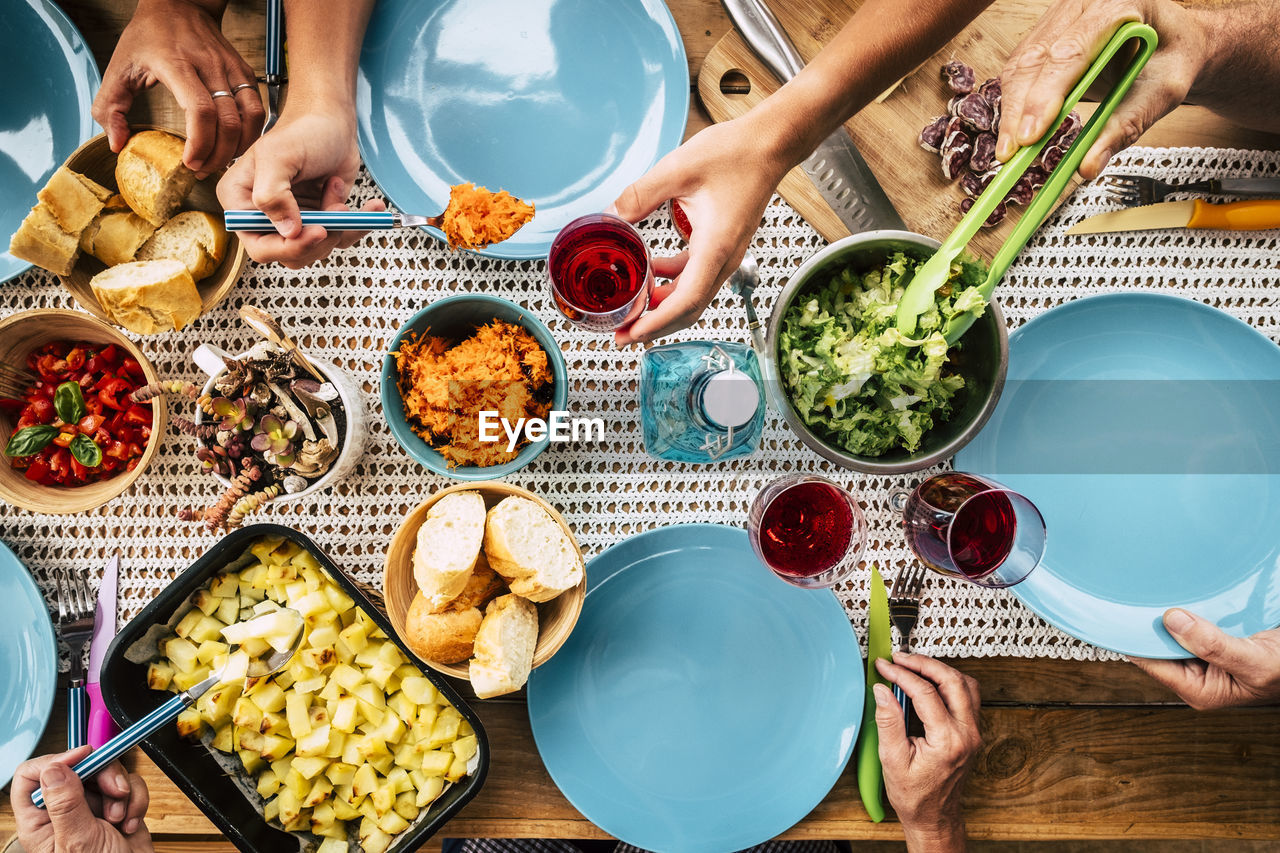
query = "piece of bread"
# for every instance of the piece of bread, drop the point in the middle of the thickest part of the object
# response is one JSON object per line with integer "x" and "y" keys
{"x": 482, "y": 587}
{"x": 194, "y": 237}
{"x": 116, "y": 204}
{"x": 444, "y": 637}
{"x": 151, "y": 175}
{"x": 448, "y": 546}
{"x": 115, "y": 238}
{"x": 504, "y": 646}
{"x": 531, "y": 550}
{"x": 73, "y": 199}
{"x": 148, "y": 296}
{"x": 41, "y": 241}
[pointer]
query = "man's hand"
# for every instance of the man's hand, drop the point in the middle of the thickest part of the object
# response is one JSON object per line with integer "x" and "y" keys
{"x": 722, "y": 178}
{"x": 1049, "y": 62}
{"x": 1229, "y": 671}
{"x": 179, "y": 43}
{"x": 309, "y": 159}
{"x": 924, "y": 776}
{"x": 105, "y": 818}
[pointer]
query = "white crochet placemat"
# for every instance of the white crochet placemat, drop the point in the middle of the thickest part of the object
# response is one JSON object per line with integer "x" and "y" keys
{"x": 348, "y": 310}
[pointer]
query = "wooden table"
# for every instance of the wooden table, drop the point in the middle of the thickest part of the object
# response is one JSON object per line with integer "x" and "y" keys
{"x": 1072, "y": 750}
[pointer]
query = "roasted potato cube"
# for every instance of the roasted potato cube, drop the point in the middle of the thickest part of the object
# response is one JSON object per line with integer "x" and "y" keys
{"x": 445, "y": 729}
{"x": 181, "y": 652}
{"x": 252, "y": 761}
{"x": 262, "y": 548}
{"x": 159, "y": 675}
{"x": 190, "y": 723}
{"x": 406, "y": 804}
{"x": 392, "y": 823}
{"x": 319, "y": 792}
{"x": 436, "y": 762}
{"x": 403, "y": 707}
{"x": 250, "y": 740}
{"x": 309, "y": 766}
{"x": 205, "y": 601}
{"x": 268, "y": 696}
{"x": 384, "y": 797}
{"x": 339, "y": 601}
{"x": 211, "y": 649}
{"x": 208, "y": 628}
{"x": 428, "y": 787}
{"x": 274, "y": 723}
{"x": 364, "y": 783}
{"x": 275, "y": 746}
{"x": 370, "y": 695}
{"x": 268, "y": 784}
{"x": 223, "y": 740}
{"x": 224, "y": 585}
{"x": 465, "y": 747}
{"x": 376, "y": 841}
{"x": 342, "y": 808}
{"x": 418, "y": 689}
{"x": 457, "y": 770}
{"x": 347, "y": 715}
{"x": 295, "y": 708}
{"x": 271, "y": 811}
{"x": 290, "y": 805}
{"x": 314, "y": 743}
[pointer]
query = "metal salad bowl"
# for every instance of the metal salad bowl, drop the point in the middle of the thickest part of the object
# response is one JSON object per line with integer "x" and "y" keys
{"x": 981, "y": 357}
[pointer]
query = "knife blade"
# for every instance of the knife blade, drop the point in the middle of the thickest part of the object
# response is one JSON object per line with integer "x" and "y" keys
{"x": 836, "y": 167}
{"x": 879, "y": 645}
{"x": 1250, "y": 215}
{"x": 274, "y": 61}
{"x": 101, "y": 727}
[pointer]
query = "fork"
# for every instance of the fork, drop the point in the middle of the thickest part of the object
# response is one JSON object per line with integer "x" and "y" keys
{"x": 904, "y": 610}
{"x": 1138, "y": 190}
{"x": 14, "y": 381}
{"x": 75, "y": 626}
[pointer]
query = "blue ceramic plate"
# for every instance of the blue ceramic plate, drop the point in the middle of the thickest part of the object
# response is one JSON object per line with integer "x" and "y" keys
{"x": 454, "y": 318}
{"x": 44, "y": 108}
{"x": 28, "y": 665}
{"x": 563, "y": 103}
{"x": 1145, "y": 510}
{"x": 700, "y": 703}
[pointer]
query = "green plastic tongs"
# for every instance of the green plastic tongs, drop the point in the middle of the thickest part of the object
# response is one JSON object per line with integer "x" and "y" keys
{"x": 919, "y": 295}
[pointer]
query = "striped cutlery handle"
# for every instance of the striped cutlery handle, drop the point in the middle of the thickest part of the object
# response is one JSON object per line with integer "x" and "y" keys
{"x": 77, "y": 715}
{"x": 332, "y": 220}
{"x": 275, "y": 37}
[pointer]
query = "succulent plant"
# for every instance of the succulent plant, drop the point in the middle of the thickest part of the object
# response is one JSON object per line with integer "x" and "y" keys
{"x": 235, "y": 414}
{"x": 274, "y": 440}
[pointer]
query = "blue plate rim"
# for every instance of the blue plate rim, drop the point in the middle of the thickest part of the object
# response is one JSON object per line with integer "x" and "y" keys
{"x": 501, "y": 251}
{"x": 596, "y": 581}
{"x": 50, "y": 641}
{"x": 1169, "y": 648}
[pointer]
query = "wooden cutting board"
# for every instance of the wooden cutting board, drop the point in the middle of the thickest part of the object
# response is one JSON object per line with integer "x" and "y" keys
{"x": 886, "y": 133}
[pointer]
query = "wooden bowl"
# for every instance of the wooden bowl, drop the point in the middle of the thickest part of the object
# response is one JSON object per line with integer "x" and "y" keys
{"x": 556, "y": 617}
{"x": 96, "y": 160}
{"x": 21, "y": 333}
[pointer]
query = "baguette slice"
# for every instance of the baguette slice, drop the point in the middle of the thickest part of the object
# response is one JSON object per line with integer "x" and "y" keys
{"x": 504, "y": 646}
{"x": 194, "y": 237}
{"x": 115, "y": 238}
{"x": 445, "y": 637}
{"x": 531, "y": 550}
{"x": 151, "y": 175}
{"x": 448, "y": 547}
{"x": 41, "y": 241}
{"x": 73, "y": 199}
{"x": 148, "y": 296}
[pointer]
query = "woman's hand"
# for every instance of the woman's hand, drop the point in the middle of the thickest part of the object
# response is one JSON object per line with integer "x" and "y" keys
{"x": 179, "y": 43}
{"x": 924, "y": 776}
{"x": 308, "y": 160}
{"x": 106, "y": 817}
{"x": 722, "y": 178}
{"x": 1228, "y": 671}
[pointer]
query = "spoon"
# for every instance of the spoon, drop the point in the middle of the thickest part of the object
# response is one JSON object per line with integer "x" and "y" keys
{"x": 744, "y": 281}
{"x": 919, "y": 295}
{"x": 267, "y": 326}
{"x": 169, "y": 711}
{"x": 334, "y": 220}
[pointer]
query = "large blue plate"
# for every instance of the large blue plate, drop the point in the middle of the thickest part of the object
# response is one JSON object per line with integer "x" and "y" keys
{"x": 1175, "y": 530}
{"x": 700, "y": 703}
{"x": 564, "y": 103}
{"x": 45, "y": 99}
{"x": 28, "y": 665}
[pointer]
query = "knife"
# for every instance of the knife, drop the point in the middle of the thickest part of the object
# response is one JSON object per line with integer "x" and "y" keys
{"x": 101, "y": 727}
{"x": 274, "y": 61}
{"x": 1251, "y": 215}
{"x": 879, "y": 645}
{"x": 836, "y": 167}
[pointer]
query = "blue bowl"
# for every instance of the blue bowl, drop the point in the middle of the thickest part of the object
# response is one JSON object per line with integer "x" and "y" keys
{"x": 456, "y": 317}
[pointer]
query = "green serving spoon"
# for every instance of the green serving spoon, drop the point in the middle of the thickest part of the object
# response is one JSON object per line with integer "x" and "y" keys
{"x": 919, "y": 295}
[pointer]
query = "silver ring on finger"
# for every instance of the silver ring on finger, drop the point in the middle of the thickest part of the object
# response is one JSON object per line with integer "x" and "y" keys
{"x": 221, "y": 93}
{"x": 253, "y": 86}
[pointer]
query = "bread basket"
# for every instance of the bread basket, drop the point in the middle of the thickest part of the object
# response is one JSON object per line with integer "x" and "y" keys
{"x": 556, "y": 617}
{"x": 96, "y": 160}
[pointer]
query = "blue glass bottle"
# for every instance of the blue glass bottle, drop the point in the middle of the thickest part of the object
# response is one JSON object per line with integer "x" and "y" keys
{"x": 701, "y": 401}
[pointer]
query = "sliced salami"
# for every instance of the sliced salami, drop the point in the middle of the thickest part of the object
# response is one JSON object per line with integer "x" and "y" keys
{"x": 975, "y": 111}
{"x": 984, "y": 152}
{"x": 960, "y": 77}
{"x": 932, "y": 134}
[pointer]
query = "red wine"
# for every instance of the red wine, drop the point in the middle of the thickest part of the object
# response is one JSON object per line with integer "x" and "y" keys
{"x": 598, "y": 266}
{"x": 806, "y": 529}
{"x": 981, "y": 537}
{"x": 681, "y": 220}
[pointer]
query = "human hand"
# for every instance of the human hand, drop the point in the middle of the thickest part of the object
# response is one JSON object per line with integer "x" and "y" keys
{"x": 1049, "y": 62}
{"x": 1228, "y": 671}
{"x": 722, "y": 178}
{"x": 309, "y": 159}
{"x": 179, "y": 43}
{"x": 105, "y": 818}
{"x": 924, "y": 776}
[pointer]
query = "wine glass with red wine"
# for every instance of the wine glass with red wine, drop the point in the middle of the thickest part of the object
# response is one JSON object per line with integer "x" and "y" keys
{"x": 809, "y": 531}
{"x": 600, "y": 273}
{"x": 972, "y": 528}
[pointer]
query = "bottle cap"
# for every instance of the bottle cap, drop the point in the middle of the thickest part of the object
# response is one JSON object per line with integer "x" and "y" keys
{"x": 730, "y": 398}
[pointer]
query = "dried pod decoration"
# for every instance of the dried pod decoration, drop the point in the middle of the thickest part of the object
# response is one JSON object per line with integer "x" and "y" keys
{"x": 269, "y": 428}
{"x": 965, "y": 139}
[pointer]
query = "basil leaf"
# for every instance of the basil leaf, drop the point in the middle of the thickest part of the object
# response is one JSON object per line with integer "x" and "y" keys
{"x": 86, "y": 452}
{"x": 29, "y": 440}
{"x": 68, "y": 400}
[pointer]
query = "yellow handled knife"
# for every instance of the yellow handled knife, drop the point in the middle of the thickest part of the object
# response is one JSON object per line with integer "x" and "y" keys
{"x": 1251, "y": 215}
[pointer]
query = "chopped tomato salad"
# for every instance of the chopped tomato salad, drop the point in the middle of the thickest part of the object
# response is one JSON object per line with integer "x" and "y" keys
{"x": 75, "y": 423}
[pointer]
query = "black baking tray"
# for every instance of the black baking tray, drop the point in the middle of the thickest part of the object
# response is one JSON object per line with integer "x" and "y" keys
{"x": 189, "y": 763}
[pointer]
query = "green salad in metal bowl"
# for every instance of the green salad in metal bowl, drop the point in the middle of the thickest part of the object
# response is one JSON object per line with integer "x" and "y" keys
{"x": 852, "y": 376}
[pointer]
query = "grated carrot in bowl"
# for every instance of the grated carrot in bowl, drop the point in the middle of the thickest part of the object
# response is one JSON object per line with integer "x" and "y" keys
{"x": 501, "y": 367}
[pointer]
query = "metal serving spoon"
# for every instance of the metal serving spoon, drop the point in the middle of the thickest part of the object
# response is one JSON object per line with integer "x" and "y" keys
{"x": 169, "y": 711}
